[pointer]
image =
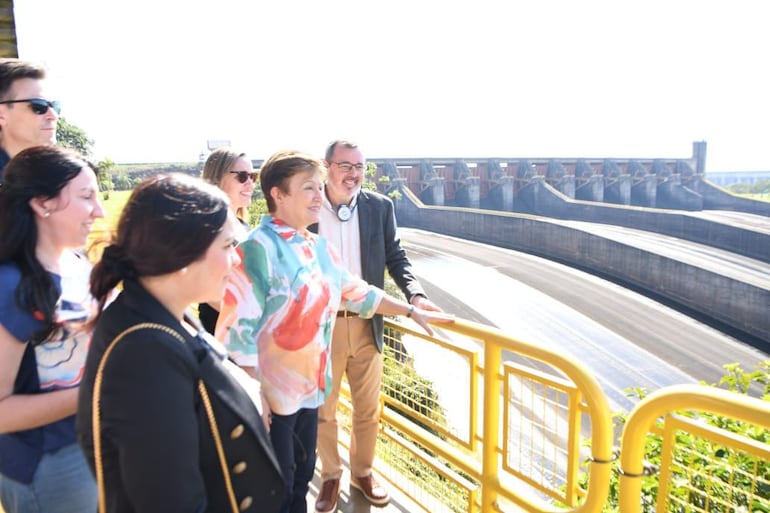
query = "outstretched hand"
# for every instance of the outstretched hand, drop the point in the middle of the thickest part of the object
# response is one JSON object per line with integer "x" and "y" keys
{"x": 424, "y": 317}
{"x": 423, "y": 303}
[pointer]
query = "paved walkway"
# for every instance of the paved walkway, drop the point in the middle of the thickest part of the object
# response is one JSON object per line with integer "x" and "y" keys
{"x": 352, "y": 501}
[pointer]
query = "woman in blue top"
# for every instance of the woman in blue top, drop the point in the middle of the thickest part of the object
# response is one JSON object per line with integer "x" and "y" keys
{"x": 48, "y": 203}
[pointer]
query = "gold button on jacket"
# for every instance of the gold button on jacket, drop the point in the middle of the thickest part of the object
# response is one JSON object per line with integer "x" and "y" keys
{"x": 237, "y": 431}
{"x": 245, "y": 503}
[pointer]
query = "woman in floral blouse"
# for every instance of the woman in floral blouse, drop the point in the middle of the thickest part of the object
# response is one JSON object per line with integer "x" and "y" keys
{"x": 280, "y": 307}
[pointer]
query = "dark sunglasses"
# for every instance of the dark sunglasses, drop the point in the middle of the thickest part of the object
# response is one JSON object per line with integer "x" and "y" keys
{"x": 38, "y": 105}
{"x": 245, "y": 175}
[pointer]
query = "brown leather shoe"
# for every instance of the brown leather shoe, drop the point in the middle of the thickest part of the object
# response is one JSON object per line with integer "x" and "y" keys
{"x": 372, "y": 490}
{"x": 327, "y": 497}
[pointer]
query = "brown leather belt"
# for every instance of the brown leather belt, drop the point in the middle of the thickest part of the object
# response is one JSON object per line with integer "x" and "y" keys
{"x": 344, "y": 313}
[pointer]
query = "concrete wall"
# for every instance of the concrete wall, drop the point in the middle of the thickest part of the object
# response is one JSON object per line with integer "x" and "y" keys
{"x": 543, "y": 200}
{"x": 742, "y": 306}
{"x": 716, "y": 198}
{"x": 518, "y": 185}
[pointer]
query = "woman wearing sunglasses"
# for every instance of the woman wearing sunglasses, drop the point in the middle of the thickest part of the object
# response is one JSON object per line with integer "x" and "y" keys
{"x": 48, "y": 203}
{"x": 232, "y": 172}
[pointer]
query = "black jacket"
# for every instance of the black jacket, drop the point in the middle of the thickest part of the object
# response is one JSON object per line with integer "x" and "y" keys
{"x": 381, "y": 249}
{"x": 159, "y": 454}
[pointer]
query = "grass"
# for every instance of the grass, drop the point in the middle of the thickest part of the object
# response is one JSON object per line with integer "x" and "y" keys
{"x": 112, "y": 209}
{"x": 100, "y": 233}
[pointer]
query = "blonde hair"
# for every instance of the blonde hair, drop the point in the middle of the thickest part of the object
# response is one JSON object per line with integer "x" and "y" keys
{"x": 219, "y": 163}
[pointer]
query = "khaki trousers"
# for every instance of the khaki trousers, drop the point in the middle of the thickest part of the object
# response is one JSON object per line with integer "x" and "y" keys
{"x": 353, "y": 353}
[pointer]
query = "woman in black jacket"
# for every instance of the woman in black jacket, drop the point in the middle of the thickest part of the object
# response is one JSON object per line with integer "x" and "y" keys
{"x": 167, "y": 423}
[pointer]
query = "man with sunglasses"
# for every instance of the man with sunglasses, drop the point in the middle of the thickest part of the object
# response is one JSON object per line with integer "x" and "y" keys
{"x": 27, "y": 117}
{"x": 361, "y": 225}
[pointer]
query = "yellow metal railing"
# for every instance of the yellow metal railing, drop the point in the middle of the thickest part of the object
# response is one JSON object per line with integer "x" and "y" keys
{"x": 703, "y": 468}
{"x": 512, "y": 439}
{"x": 503, "y": 431}
{"x": 475, "y": 421}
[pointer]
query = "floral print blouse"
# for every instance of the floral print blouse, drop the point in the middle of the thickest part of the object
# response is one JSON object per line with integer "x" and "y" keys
{"x": 279, "y": 311}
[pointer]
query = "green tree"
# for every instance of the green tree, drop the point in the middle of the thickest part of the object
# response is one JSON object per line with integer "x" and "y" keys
{"x": 104, "y": 168}
{"x": 740, "y": 188}
{"x": 74, "y": 137}
{"x": 371, "y": 185}
{"x": 368, "y": 182}
{"x": 761, "y": 187}
{"x": 123, "y": 182}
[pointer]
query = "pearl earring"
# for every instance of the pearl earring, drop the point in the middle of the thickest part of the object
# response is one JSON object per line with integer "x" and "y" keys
{"x": 46, "y": 213}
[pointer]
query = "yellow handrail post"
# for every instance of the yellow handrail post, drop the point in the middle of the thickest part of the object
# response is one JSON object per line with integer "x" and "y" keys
{"x": 492, "y": 383}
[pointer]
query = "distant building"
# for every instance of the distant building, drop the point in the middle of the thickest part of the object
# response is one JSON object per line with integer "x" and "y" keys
{"x": 213, "y": 144}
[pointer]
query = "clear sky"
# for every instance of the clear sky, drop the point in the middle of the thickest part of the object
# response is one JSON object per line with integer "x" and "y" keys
{"x": 153, "y": 80}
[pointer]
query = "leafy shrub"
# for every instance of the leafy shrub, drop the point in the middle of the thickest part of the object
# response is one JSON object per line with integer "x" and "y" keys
{"x": 722, "y": 473}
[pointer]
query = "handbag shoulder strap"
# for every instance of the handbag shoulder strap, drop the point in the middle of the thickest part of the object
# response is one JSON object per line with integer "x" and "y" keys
{"x": 96, "y": 417}
{"x": 96, "y": 407}
{"x": 218, "y": 443}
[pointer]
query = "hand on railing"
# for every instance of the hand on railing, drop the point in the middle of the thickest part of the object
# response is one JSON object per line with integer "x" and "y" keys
{"x": 423, "y": 303}
{"x": 425, "y": 317}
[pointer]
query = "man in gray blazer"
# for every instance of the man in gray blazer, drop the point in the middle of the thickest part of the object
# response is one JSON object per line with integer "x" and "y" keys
{"x": 361, "y": 224}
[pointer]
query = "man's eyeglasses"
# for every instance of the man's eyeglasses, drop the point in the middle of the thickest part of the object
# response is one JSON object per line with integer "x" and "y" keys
{"x": 38, "y": 105}
{"x": 245, "y": 175}
{"x": 347, "y": 167}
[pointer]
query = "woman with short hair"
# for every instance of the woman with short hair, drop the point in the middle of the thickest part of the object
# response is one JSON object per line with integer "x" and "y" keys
{"x": 279, "y": 312}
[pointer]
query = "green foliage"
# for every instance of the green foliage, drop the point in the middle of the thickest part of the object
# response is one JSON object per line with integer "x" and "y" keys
{"x": 123, "y": 182}
{"x": 256, "y": 209}
{"x": 399, "y": 379}
{"x": 760, "y": 187}
{"x": 368, "y": 182}
{"x": 114, "y": 206}
{"x": 392, "y": 289}
{"x": 401, "y": 382}
{"x": 138, "y": 172}
{"x": 737, "y": 380}
{"x": 720, "y": 469}
{"x": 190, "y": 168}
{"x": 104, "y": 168}
{"x": 73, "y": 137}
{"x": 740, "y": 188}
